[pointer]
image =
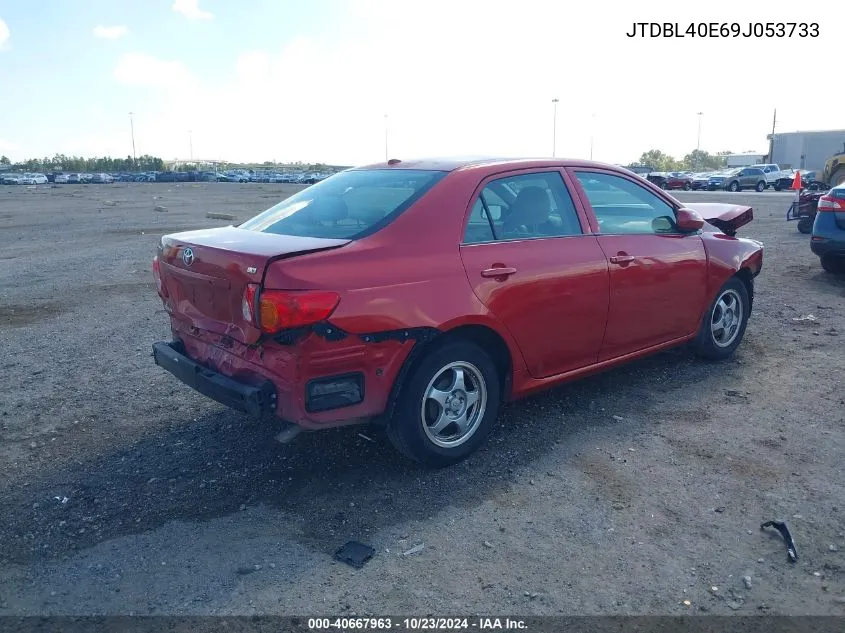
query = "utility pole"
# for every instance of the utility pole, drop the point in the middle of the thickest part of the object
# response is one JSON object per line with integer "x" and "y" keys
{"x": 191, "y": 143}
{"x": 698, "y": 143}
{"x": 132, "y": 128}
{"x": 386, "y": 155}
{"x": 772, "y": 140}
{"x": 554, "y": 126}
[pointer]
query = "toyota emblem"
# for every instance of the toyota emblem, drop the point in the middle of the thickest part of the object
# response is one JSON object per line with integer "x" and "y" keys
{"x": 188, "y": 256}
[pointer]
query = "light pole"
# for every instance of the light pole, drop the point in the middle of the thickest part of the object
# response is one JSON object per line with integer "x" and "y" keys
{"x": 698, "y": 143}
{"x": 191, "y": 143}
{"x": 386, "y": 156}
{"x": 132, "y": 128}
{"x": 554, "y": 125}
{"x": 592, "y": 134}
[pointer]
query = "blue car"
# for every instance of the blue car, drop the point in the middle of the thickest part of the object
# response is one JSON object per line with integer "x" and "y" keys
{"x": 828, "y": 239}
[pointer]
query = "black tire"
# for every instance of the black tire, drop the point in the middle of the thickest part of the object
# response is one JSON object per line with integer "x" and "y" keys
{"x": 778, "y": 187}
{"x": 834, "y": 264}
{"x": 805, "y": 224}
{"x": 687, "y": 186}
{"x": 705, "y": 344}
{"x": 761, "y": 186}
{"x": 734, "y": 186}
{"x": 407, "y": 427}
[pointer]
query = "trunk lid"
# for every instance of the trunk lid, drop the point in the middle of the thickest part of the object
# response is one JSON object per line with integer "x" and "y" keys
{"x": 726, "y": 217}
{"x": 205, "y": 273}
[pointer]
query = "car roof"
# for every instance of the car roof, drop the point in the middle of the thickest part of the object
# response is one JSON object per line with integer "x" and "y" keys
{"x": 454, "y": 164}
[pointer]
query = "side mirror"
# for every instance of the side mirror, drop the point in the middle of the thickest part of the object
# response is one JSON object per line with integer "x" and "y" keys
{"x": 688, "y": 221}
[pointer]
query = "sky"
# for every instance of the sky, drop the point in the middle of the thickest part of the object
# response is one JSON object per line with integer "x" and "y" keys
{"x": 335, "y": 81}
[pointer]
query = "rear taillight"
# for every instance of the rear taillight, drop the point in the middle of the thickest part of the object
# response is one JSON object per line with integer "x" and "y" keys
{"x": 284, "y": 309}
{"x": 162, "y": 291}
{"x": 829, "y": 203}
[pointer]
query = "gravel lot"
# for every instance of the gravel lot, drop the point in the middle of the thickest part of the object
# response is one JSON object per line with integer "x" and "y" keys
{"x": 122, "y": 491}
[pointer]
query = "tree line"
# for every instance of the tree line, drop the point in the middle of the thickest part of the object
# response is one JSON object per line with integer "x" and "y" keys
{"x": 61, "y": 162}
{"x": 106, "y": 164}
{"x": 696, "y": 160}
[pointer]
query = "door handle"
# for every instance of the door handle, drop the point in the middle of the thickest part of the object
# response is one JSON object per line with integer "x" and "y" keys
{"x": 500, "y": 271}
{"x": 622, "y": 259}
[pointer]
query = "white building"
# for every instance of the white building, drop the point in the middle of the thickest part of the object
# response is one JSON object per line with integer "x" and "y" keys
{"x": 741, "y": 160}
{"x": 805, "y": 150}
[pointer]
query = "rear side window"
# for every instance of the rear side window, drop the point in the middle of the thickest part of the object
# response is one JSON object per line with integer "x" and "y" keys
{"x": 348, "y": 205}
{"x": 522, "y": 207}
{"x": 624, "y": 207}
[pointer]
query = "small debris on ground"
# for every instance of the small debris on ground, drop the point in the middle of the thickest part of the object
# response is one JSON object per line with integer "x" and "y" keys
{"x": 832, "y": 548}
{"x": 746, "y": 580}
{"x": 243, "y": 571}
{"x": 416, "y": 549}
{"x": 160, "y": 208}
{"x": 488, "y": 544}
{"x": 354, "y": 554}
{"x": 809, "y": 318}
{"x": 780, "y": 526}
{"x": 720, "y": 509}
{"x": 618, "y": 418}
{"x": 369, "y": 439}
{"x": 219, "y": 216}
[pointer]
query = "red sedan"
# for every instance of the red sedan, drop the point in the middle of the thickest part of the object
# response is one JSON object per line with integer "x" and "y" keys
{"x": 420, "y": 295}
{"x": 677, "y": 180}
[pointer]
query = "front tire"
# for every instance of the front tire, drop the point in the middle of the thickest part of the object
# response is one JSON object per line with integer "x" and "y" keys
{"x": 687, "y": 186}
{"x": 724, "y": 324}
{"x": 447, "y": 406}
{"x": 734, "y": 186}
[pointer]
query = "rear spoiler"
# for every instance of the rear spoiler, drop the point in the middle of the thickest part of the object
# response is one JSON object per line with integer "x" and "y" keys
{"x": 728, "y": 218}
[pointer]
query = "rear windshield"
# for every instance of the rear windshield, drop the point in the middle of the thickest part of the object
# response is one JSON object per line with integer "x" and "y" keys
{"x": 348, "y": 205}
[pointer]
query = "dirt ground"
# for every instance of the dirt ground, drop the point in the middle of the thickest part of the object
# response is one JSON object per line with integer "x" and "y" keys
{"x": 122, "y": 491}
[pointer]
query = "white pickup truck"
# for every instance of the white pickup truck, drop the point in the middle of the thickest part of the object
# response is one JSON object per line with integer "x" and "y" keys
{"x": 773, "y": 173}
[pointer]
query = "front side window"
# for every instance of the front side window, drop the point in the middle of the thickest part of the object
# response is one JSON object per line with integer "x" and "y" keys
{"x": 622, "y": 206}
{"x": 523, "y": 206}
{"x": 347, "y": 205}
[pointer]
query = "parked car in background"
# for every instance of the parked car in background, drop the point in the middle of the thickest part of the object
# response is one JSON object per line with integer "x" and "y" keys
{"x": 772, "y": 172}
{"x": 102, "y": 178}
{"x": 678, "y": 180}
{"x": 739, "y": 179}
{"x": 828, "y": 237}
{"x": 699, "y": 181}
{"x": 306, "y": 324}
{"x": 659, "y": 178}
{"x": 61, "y": 179}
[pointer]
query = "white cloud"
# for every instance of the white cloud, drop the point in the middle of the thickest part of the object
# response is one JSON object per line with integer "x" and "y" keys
{"x": 191, "y": 10}
{"x": 110, "y": 32}
{"x": 138, "y": 69}
{"x": 5, "y": 34}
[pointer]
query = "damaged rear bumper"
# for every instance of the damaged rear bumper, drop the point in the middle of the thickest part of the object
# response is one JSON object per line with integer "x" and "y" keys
{"x": 255, "y": 400}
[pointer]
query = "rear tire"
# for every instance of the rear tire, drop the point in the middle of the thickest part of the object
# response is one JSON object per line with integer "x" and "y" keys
{"x": 805, "y": 225}
{"x": 837, "y": 177}
{"x": 724, "y": 324}
{"x": 834, "y": 264}
{"x": 447, "y": 406}
{"x": 761, "y": 186}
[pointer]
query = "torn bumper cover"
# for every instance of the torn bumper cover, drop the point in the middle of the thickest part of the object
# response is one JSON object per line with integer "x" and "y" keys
{"x": 258, "y": 401}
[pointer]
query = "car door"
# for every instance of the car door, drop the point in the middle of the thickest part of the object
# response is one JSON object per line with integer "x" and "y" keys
{"x": 530, "y": 259}
{"x": 658, "y": 275}
{"x": 748, "y": 178}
